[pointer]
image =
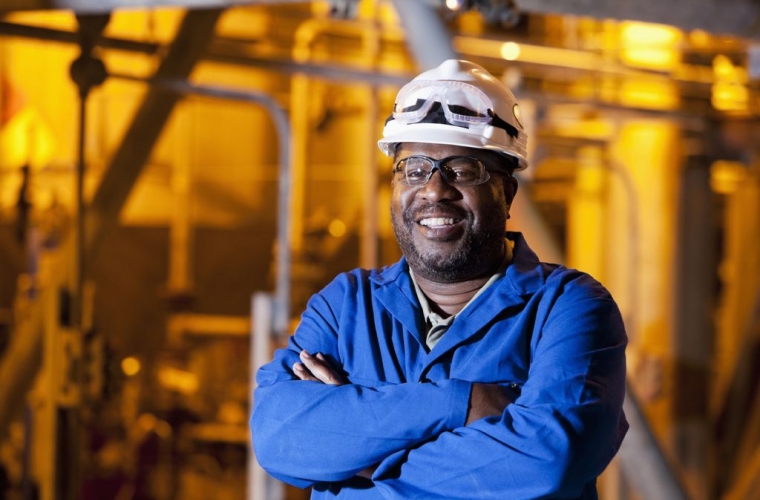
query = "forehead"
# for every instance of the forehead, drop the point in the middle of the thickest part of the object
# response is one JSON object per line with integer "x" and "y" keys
{"x": 438, "y": 151}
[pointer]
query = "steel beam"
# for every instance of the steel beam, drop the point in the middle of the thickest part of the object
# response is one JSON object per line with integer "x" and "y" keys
{"x": 192, "y": 37}
{"x": 72, "y": 37}
{"x": 102, "y": 6}
{"x": 737, "y": 17}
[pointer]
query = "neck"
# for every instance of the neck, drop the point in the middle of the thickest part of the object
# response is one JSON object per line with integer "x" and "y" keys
{"x": 448, "y": 299}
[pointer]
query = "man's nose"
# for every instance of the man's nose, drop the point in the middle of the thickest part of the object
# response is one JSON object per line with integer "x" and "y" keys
{"x": 436, "y": 188}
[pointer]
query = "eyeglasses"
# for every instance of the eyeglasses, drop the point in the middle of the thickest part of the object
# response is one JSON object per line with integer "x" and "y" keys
{"x": 455, "y": 170}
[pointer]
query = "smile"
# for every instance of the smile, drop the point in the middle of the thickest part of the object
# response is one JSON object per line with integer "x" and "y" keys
{"x": 437, "y": 221}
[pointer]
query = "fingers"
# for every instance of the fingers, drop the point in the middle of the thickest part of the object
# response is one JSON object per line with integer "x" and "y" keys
{"x": 302, "y": 373}
{"x": 316, "y": 368}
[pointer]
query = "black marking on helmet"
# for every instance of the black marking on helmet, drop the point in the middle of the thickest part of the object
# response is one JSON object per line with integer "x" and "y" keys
{"x": 436, "y": 115}
{"x": 498, "y": 122}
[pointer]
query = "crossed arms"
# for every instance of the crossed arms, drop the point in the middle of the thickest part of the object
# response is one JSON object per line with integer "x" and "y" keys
{"x": 486, "y": 400}
{"x": 314, "y": 423}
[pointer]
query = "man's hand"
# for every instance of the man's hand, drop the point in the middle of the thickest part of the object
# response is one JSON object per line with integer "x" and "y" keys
{"x": 317, "y": 369}
{"x": 487, "y": 400}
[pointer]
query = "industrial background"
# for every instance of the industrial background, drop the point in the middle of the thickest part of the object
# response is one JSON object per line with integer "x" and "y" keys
{"x": 177, "y": 177}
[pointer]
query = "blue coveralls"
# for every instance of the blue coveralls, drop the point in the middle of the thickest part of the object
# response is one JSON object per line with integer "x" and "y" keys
{"x": 553, "y": 334}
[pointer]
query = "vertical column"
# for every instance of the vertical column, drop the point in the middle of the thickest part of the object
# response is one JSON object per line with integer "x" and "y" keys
{"x": 693, "y": 332}
{"x": 181, "y": 235}
{"x": 640, "y": 251}
{"x": 586, "y": 214}
{"x": 260, "y": 485}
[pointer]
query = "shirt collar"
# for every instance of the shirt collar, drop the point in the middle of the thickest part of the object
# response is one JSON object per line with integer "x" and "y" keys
{"x": 432, "y": 318}
{"x": 525, "y": 272}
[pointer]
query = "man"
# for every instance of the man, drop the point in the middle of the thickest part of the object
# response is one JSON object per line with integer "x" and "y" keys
{"x": 469, "y": 369}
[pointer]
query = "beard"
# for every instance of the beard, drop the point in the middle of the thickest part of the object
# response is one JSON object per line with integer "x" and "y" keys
{"x": 474, "y": 253}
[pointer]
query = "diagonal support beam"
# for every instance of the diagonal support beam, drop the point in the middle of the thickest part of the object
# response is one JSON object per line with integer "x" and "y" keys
{"x": 747, "y": 486}
{"x": 127, "y": 164}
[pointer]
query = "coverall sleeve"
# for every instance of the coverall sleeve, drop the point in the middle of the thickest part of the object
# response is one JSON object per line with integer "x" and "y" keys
{"x": 554, "y": 439}
{"x": 306, "y": 432}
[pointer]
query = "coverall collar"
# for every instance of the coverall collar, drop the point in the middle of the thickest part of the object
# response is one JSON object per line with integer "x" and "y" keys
{"x": 524, "y": 276}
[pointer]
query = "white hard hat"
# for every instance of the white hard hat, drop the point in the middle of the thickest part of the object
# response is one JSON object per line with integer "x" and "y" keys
{"x": 457, "y": 103}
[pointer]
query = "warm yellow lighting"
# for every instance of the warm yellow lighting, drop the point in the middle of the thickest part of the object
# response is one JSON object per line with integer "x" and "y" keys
{"x": 727, "y": 176}
{"x": 58, "y": 19}
{"x": 576, "y": 123}
{"x": 510, "y": 51}
{"x": 130, "y": 366}
{"x": 337, "y": 228}
{"x": 586, "y": 212}
{"x": 178, "y": 380}
{"x": 26, "y": 140}
{"x": 649, "y": 94}
{"x": 633, "y": 33}
{"x": 729, "y": 96}
{"x": 699, "y": 38}
{"x": 321, "y": 8}
{"x": 471, "y": 23}
{"x": 728, "y": 91}
{"x": 159, "y": 24}
{"x": 653, "y": 58}
{"x": 536, "y": 54}
{"x": 651, "y": 46}
{"x": 725, "y": 70}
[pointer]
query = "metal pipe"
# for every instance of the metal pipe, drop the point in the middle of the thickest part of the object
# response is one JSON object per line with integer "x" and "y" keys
{"x": 426, "y": 35}
{"x": 643, "y": 463}
{"x": 103, "y": 6}
{"x": 221, "y": 50}
{"x": 63, "y": 36}
{"x": 260, "y": 485}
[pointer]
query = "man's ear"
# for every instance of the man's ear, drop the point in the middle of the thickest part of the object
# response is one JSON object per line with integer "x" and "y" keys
{"x": 510, "y": 189}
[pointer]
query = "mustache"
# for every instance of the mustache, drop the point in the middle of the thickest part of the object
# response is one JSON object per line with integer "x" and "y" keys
{"x": 439, "y": 209}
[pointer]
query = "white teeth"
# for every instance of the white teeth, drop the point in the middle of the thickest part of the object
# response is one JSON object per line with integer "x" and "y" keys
{"x": 437, "y": 221}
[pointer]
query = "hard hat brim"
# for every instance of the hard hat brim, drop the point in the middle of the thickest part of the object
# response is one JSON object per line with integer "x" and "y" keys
{"x": 444, "y": 134}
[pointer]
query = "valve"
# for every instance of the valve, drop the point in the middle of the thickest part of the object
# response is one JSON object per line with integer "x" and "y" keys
{"x": 88, "y": 71}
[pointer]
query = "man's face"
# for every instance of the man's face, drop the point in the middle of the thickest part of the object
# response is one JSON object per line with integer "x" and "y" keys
{"x": 451, "y": 233}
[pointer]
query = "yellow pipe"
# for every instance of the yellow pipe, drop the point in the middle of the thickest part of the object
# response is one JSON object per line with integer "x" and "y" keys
{"x": 301, "y": 100}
